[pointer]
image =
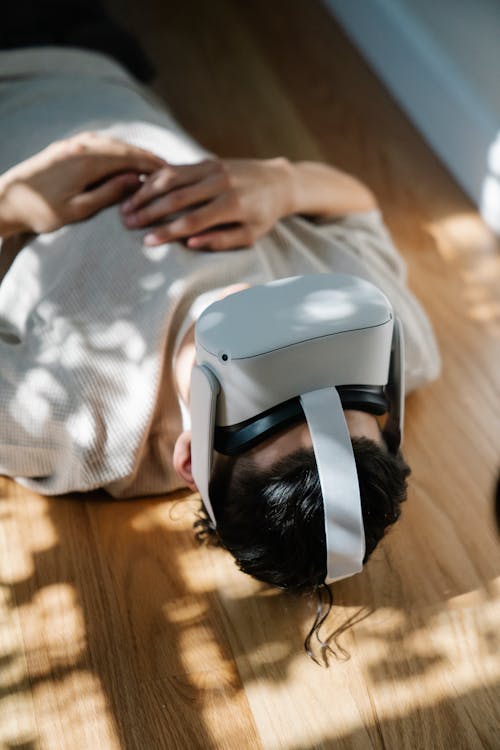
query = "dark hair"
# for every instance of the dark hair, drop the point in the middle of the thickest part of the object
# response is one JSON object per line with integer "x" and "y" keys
{"x": 273, "y": 522}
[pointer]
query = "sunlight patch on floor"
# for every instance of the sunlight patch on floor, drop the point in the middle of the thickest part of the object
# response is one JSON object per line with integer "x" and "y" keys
{"x": 47, "y": 694}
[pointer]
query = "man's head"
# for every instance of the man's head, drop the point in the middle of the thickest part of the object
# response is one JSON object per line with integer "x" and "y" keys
{"x": 269, "y": 506}
{"x": 259, "y": 373}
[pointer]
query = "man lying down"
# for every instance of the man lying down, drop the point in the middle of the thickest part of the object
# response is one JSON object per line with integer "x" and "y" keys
{"x": 131, "y": 231}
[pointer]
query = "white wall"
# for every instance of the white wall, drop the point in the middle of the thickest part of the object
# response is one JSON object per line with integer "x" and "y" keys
{"x": 441, "y": 61}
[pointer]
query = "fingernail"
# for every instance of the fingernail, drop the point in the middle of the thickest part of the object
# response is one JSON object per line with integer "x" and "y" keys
{"x": 125, "y": 207}
{"x": 131, "y": 221}
{"x": 150, "y": 239}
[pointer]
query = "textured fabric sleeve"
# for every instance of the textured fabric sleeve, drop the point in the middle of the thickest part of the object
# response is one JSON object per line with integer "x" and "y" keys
{"x": 29, "y": 446}
{"x": 36, "y": 440}
{"x": 80, "y": 346}
{"x": 366, "y": 236}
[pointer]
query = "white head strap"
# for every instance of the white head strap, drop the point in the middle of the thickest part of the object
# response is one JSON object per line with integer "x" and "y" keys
{"x": 345, "y": 539}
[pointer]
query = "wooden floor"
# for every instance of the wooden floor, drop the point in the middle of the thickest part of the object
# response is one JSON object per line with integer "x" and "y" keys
{"x": 116, "y": 631}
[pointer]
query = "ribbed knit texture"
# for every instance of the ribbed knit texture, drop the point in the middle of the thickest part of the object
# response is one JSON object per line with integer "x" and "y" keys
{"x": 89, "y": 315}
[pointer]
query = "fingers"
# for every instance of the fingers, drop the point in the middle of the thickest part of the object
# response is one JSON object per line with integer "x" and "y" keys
{"x": 113, "y": 190}
{"x": 100, "y": 165}
{"x": 177, "y": 200}
{"x": 168, "y": 179}
{"x": 100, "y": 156}
{"x": 223, "y": 239}
{"x": 221, "y": 210}
{"x": 93, "y": 143}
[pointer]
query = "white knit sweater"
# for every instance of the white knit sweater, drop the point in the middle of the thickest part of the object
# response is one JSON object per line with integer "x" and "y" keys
{"x": 89, "y": 315}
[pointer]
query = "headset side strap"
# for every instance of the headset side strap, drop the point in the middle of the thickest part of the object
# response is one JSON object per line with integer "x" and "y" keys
{"x": 204, "y": 391}
{"x": 393, "y": 428}
{"x": 400, "y": 354}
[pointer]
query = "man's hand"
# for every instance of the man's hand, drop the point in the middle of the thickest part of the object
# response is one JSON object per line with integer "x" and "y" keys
{"x": 69, "y": 181}
{"x": 223, "y": 204}
{"x": 231, "y": 203}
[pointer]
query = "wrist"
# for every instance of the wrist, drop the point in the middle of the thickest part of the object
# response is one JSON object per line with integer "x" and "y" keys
{"x": 307, "y": 188}
{"x": 10, "y": 221}
{"x": 297, "y": 189}
{"x": 324, "y": 191}
{"x": 284, "y": 175}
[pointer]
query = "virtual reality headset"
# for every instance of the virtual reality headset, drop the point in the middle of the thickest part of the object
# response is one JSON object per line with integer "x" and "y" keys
{"x": 305, "y": 347}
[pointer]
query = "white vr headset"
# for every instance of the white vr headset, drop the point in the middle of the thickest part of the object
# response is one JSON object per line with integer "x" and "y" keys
{"x": 308, "y": 346}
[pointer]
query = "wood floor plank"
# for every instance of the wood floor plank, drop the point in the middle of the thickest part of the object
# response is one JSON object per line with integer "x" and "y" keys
{"x": 118, "y": 651}
{"x": 117, "y": 631}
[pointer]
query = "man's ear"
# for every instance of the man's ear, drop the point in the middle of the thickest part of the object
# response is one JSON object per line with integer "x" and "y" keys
{"x": 182, "y": 459}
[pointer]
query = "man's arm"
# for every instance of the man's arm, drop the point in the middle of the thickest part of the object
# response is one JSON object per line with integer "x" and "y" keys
{"x": 321, "y": 190}
{"x": 230, "y": 203}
